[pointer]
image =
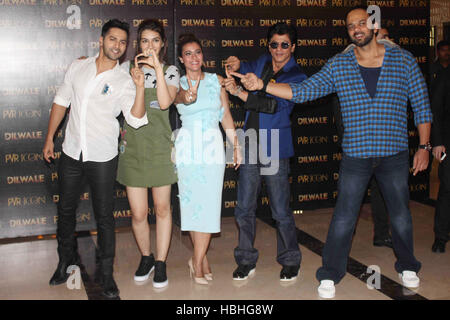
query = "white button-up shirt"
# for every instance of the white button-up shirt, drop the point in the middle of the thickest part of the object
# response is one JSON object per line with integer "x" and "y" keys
{"x": 95, "y": 102}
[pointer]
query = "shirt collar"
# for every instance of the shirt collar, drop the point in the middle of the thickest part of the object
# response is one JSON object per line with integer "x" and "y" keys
{"x": 116, "y": 67}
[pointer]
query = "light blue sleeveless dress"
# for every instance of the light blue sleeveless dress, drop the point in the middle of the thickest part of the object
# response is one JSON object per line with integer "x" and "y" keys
{"x": 200, "y": 157}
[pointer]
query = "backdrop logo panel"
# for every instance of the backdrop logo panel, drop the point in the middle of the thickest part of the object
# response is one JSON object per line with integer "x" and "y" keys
{"x": 43, "y": 37}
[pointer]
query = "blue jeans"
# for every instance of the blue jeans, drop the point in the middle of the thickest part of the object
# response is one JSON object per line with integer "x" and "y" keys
{"x": 392, "y": 175}
{"x": 278, "y": 189}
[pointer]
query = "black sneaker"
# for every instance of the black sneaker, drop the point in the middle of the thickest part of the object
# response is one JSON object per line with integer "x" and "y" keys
{"x": 243, "y": 271}
{"x": 289, "y": 273}
{"x": 160, "y": 277}
{"x": 145, "y": 268}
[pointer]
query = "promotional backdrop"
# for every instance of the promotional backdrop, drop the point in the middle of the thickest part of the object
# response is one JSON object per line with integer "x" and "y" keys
{"x": 40, "y": 38}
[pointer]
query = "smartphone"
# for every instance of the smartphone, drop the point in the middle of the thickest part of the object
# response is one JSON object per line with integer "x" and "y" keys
{"x": 443, "y": 156}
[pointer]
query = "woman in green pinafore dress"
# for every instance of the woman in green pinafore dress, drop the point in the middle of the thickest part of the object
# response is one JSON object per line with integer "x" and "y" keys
{"x": 145, "y": 153}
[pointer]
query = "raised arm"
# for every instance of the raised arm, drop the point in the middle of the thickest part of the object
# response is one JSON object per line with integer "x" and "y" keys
{"x": 166, "y": 93}
{"x": 317, "y": 86}
{"x": 132, "y": 99}
{"x": 188, "y": 96}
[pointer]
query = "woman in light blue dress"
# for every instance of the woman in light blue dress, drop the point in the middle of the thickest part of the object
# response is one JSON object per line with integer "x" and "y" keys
{"x": 202, "y": 103}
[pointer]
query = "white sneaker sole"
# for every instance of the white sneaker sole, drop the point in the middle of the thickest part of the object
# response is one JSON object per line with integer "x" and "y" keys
{"x": 326, "y": 294}
{"x": 250, "y": 273}
{"x": 287, "y": 280}
{"x": 160, "y": 284}
{"x": 144, "y": 277}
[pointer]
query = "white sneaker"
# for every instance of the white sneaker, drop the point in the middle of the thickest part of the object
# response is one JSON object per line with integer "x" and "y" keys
{"x": 326, "y": 289}
{"x": 409, "y": 279}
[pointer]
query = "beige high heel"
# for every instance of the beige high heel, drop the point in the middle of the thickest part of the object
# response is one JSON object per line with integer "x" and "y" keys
{"x": 208, "y": 276}
{"x": 200, "y": 280}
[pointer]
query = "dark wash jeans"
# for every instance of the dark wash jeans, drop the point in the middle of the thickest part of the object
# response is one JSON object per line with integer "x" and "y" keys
{"x": 379, "y": 212}
{"x": 101, "y": 177}
{"x": 278, "y": 189}
{"x": 392, "y": 174}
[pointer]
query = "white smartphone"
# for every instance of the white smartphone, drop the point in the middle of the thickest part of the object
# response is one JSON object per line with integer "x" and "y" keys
{"x": 443, "y": 156}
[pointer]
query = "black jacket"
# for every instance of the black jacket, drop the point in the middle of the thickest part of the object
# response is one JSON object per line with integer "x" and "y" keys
{"x": 440, "y": 107}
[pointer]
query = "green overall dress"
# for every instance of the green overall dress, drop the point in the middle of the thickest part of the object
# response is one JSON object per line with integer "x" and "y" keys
{"x": 144, "y": 158}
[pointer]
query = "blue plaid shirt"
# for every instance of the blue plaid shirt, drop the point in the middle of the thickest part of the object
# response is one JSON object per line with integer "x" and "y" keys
{"x": 373, "y": 127}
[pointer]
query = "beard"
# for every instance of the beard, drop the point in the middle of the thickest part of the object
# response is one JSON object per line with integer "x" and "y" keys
{"x": 110, "y": 54}
{"x": 364, "y": 41}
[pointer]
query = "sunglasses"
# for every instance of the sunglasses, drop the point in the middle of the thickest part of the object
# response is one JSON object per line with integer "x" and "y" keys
{"x": 284, "y": 45}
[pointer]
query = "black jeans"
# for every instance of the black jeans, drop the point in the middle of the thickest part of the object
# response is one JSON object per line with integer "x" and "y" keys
{"x": 101, "y": 177}
{"x": 442, "y": 215}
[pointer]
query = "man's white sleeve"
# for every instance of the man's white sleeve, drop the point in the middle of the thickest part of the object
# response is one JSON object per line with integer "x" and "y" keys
{"x": 64, "y": 94}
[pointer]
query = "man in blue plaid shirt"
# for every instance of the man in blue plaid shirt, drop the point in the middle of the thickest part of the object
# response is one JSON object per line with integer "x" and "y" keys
{"x": 373, "y": 82}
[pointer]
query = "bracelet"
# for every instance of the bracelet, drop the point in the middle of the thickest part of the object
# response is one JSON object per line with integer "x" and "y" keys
{"x": 238, "y": 91}
{"x": 427, "y": 146}
{"x": 237, "y": 147}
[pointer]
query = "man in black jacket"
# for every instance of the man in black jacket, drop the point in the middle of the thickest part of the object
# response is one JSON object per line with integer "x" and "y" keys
{"x": 441, "y": 66}
{"x": 440, "y": 133}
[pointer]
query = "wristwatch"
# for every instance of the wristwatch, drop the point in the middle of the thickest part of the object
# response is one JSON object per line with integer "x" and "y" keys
{"x": 426, "y": 146}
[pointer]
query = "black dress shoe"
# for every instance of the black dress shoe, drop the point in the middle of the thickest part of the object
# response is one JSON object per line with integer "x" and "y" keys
{"x": 438, "y": 246}
{"x": 60, "y": 276}
{"x": 387, "y": 242}
{"x": 110, "y": 289}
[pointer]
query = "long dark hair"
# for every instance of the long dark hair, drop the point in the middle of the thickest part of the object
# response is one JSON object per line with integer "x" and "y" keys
{"x": 156, "y": 26}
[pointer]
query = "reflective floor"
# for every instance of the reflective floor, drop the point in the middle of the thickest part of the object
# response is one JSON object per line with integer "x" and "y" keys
{"x": 27, "y": 266}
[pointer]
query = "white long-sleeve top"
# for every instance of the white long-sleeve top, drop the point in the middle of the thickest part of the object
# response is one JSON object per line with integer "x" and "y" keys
{"x": 95, "y": 102}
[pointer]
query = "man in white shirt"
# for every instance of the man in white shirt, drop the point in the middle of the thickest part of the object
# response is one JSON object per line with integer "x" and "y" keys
{"x": 97, "y": 90}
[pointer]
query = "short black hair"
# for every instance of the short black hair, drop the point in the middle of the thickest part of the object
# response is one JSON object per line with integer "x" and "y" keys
{"x": 355, "y": 8}
{"x": 115, "y": 23}
{"x": 282, "y": 28}
{"x": 442, "y": 43}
